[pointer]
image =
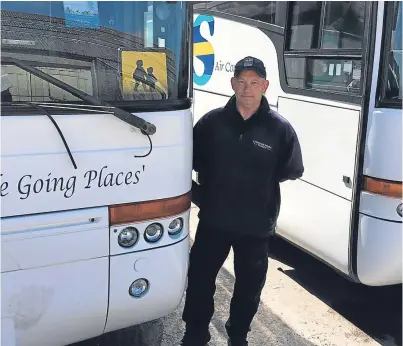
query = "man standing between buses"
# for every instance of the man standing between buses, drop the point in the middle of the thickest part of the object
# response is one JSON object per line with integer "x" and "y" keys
{"x": 241, "y": 153}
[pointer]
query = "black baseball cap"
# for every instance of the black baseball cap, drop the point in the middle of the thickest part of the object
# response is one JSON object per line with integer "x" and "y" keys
{"x": 250, "y": 63}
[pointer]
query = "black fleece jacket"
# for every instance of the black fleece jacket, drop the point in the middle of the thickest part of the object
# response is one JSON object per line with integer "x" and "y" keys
{"x": 240, "y": 165}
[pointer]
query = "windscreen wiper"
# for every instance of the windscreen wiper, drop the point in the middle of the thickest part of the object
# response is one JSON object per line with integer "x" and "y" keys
{"x": 145, "y": 127}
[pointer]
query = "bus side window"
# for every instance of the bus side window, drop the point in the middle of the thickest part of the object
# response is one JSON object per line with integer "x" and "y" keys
{"x": 263, "y": 11}
{"x": 392, "y": 60}
{"x": 305, "y": 24}
{"x": 326, "y": 29}
{"x": 327, "y": 25}
{"x": 324, "y": 74}
{"x": 343, "y": 25}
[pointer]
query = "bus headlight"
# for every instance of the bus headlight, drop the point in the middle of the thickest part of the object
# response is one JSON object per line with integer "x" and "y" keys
{"x": 153, "y": 232}
{"x": 399, "y": 210}
{"x": 138, "y": 288}
{"x": 175, "y": 226}
{"x": 128, "y": 237}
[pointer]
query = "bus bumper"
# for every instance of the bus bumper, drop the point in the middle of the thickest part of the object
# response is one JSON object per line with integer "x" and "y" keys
{"x": 379, "y": 252}
{"x": 165, "y": 268}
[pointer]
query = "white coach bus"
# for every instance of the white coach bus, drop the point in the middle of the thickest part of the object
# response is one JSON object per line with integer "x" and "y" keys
{"x": 96, "y": 162}
{"x": 335, "y": 72}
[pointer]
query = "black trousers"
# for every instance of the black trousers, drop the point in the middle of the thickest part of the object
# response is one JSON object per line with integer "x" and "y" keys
{"x": 208, "y": 253}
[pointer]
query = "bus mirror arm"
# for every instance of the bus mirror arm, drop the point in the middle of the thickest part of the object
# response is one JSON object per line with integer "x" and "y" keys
{"x": 145, "y": 127}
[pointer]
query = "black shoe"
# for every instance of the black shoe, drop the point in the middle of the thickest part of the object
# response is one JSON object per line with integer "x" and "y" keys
{"x": 234, "y": 338}
{"x": 195, "y": 339}
{"x": 237, "y": 342}
{"x": 192, "y": 342}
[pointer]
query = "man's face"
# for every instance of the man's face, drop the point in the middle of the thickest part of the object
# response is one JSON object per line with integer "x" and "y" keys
{"x": 249, "y": 88}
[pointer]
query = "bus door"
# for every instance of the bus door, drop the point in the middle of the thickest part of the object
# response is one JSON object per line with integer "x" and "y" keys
{"x": 323, "y": 83}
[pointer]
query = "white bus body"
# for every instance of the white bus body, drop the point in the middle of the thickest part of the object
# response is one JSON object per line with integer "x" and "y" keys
{"x": 64, "y": 276}
{"x": 331, "y": 78}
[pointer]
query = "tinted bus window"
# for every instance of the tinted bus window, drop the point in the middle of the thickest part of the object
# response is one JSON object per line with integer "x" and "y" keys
{"x": 334, "y": 75}
{"x": 394, "y": 58}
{"x": 270, "y": 12}
{"x": 319, "y": 27}
{"x": 343, "y": 24}
{"x": 338, "y": 24}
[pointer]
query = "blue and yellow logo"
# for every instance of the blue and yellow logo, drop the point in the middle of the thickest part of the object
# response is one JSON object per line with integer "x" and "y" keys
{"x": 203, "y": 49}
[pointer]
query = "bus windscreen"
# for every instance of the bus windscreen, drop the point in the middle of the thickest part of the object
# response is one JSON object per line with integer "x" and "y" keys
{"x": 117, "y": 51}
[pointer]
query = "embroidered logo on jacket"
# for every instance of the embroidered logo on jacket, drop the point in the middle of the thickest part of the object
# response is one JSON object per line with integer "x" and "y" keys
{"x": 262, "y": 145}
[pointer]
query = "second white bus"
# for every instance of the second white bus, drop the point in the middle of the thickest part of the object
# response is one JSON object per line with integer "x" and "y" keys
{"x": 335, "y": 72}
